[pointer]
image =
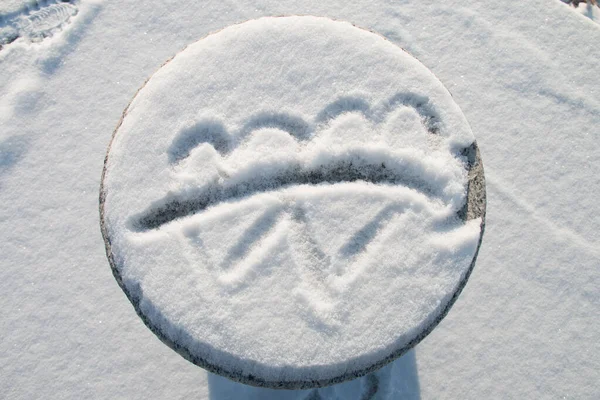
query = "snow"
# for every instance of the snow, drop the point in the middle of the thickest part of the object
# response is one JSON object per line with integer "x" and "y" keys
{"x": 312, "y": 216}
{"x": 525, "y": 325}
{"x": 33, "y": 21}
{"x": 10, "y": 7}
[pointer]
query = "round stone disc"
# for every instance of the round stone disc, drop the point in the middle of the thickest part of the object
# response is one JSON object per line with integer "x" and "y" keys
{"x": 292, "y": 202}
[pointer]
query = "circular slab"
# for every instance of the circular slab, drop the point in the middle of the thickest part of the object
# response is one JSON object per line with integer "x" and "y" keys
{"x": 292, "y": 202}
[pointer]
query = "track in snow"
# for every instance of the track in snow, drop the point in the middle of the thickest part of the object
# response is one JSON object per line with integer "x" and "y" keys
{"x": 35, "y": 24}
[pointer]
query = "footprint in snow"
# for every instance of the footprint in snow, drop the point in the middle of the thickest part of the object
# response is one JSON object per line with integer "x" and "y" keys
{"x": 37, "y": 23}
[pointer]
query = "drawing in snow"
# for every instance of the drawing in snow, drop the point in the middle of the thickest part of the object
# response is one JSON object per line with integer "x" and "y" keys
{"x": 285, "y": 202}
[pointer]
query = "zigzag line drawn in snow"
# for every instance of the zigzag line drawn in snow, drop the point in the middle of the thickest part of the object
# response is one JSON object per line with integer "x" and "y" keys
{"x": 36, "y": 24}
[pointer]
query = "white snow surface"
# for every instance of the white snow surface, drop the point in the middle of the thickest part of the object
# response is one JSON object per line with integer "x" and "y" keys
{"x": 9, "y": 7}
{"x": 297, "y": 281}
{"x": 526, "y": 325}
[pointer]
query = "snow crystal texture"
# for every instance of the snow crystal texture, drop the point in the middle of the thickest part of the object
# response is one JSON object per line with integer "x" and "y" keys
{"x": 281, "y": 200}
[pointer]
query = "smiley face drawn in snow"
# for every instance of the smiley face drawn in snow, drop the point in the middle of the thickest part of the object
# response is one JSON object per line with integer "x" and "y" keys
{"x": 292, "y": 202}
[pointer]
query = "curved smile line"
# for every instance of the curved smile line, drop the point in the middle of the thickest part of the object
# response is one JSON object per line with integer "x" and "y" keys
{"x": 178, "y": 205}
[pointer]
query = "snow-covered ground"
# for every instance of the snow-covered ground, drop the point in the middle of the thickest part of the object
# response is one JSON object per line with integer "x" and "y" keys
{"x": 524, "y": 75}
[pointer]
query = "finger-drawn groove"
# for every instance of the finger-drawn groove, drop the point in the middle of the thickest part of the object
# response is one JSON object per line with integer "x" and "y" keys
{"x": 178, "y": 205}
{"x": 421, "y": 104}
{"x": 344, "y": 105}
{"x": 214, "y": 132}
{"x": 200, "y": 251}
{"x": 294, "y": 125}
{"x": 365, "y": 235}
{"x": 211, "y": 132}
{"x": 251, "y": 236}
{"x": 239, "y": 275}
{"x": 314, "y": 261}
